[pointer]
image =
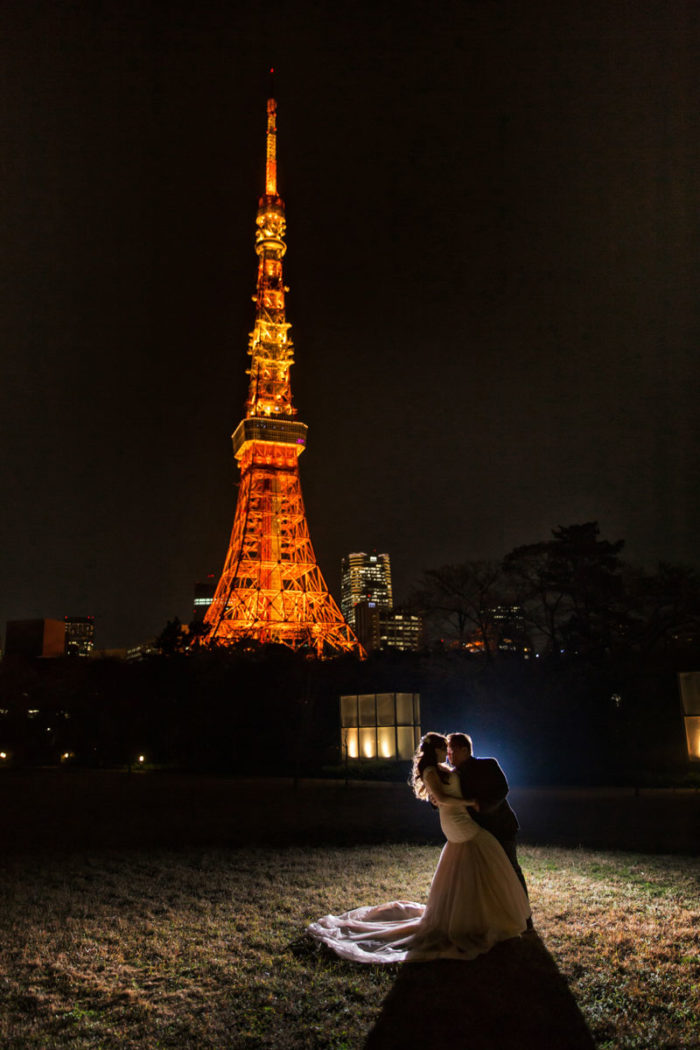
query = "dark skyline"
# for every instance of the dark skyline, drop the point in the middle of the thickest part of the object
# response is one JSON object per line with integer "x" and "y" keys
{"x": 493, "y": 259}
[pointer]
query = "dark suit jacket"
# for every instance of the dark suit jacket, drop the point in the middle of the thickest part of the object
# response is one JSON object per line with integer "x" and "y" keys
{"x": 484, "y": 780}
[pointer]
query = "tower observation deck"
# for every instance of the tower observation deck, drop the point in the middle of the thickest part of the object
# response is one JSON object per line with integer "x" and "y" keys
{"x": 271, "y": 588}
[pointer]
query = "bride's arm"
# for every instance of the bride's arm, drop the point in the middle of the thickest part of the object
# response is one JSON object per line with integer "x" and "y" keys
{"x": 437, "y": 793}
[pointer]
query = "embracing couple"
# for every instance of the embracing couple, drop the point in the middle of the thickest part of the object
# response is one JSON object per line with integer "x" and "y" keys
{"x": 478, "y": 895}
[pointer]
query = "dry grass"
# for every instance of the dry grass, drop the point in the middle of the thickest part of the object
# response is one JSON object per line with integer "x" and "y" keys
{"x": 205, "y": 949}
{"x": 625, "y": 931}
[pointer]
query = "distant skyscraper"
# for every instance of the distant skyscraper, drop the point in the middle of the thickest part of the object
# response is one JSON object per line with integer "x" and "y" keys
{"x": 80, "y": 635}
{"x": 402, "y": 631}
{"x": 203, "y": 597}
{"x": 509, "y": 630}
{"x": 35, "y": 638}
{"x": 365, "y": 577}
{"x": 384, "y": 629}
{"x": 366, "y": 625}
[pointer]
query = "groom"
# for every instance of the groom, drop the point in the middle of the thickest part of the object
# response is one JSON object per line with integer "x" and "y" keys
{"x": 484, "y": 780}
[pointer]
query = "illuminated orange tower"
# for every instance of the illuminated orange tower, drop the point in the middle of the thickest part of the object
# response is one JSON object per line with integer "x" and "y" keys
{"x": 271, "y": 589}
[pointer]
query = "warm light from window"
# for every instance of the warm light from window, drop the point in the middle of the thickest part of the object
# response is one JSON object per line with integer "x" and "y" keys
{"x": 389, "y": 725}
{"x": 692, "y": 734}
{"x": 387, "y": 742}
{"x": 689, "y": 682}
{"x": 368, "y": 742}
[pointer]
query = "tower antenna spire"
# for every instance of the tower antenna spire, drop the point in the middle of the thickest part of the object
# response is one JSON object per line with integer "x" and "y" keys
{"x": 271, "y": 159}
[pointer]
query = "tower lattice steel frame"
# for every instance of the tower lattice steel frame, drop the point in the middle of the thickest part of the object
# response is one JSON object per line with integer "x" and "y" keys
{"x": 271, "y": 588}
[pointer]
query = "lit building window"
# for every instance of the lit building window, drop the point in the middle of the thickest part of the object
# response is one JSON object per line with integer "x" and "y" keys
{"x": 379, "y": 725}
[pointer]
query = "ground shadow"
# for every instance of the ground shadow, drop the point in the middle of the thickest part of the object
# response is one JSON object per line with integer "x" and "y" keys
{"x": 512, "y": 998}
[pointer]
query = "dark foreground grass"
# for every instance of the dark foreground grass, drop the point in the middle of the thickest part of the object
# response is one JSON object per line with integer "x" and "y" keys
{"x": 206, "y": 950}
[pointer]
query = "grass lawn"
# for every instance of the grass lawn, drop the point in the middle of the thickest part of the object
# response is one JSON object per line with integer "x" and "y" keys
{"x": 205, "y": 949}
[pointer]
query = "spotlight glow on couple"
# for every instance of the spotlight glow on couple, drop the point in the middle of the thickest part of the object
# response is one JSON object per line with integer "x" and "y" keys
{"x": 478, "y": 895}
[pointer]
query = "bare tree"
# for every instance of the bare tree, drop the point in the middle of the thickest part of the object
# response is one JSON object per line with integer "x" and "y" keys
{"x": 462, "y": 600}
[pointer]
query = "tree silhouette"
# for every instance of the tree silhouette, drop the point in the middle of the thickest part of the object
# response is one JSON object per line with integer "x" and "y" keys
{"x": 464, "y": 599}
{"x": 571, "y": 589}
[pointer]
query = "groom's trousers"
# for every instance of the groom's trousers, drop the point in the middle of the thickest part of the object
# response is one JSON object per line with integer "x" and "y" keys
{"x": 512, "y": 855}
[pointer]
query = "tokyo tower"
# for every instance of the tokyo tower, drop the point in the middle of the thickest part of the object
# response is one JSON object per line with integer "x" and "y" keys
{"x": 271, "y": 588}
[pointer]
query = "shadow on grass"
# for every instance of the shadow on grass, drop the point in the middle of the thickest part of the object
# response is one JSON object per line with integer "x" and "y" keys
{"x": 512, "y": 997}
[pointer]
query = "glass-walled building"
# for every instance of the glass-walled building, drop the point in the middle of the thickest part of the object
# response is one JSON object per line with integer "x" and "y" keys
{"x": 379, "y": 725}
{"x": 365, "y": 577}
{"x": 689, "y": 683}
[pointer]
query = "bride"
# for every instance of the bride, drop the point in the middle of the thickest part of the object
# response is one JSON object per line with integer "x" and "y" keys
{"x": 475, "y": 899}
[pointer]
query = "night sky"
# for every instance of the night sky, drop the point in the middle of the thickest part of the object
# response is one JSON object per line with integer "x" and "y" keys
{"x": 493, "y": 258}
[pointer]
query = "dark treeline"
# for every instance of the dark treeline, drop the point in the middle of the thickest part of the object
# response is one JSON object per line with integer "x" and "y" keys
{"x": 572, "y": 595}
{"x": 575, "y": 682}
{"x": 276, "y": 711}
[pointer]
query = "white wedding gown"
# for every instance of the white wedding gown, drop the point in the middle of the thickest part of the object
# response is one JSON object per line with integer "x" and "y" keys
{"x": 475, "y": 900}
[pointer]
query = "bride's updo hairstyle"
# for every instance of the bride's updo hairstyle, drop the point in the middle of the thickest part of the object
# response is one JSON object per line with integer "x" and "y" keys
{"x": 425, "y": 756}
